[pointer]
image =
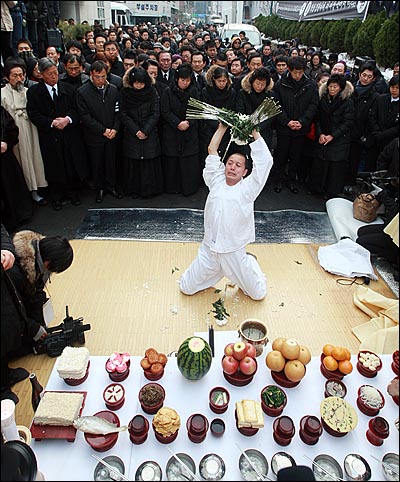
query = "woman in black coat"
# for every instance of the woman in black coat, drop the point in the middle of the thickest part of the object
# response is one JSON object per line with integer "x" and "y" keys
{"x": 333, "y": 123}
{"x": 140, "y": 111}
{"x": 218, "y": 92}
{"x": 256, "y": 87}
{"x": 180, "y": 145}
{"x": 15, "y": 198}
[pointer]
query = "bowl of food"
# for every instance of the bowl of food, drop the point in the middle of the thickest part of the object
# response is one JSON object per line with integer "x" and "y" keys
{"x": 393, "y": 389}
{"x": 338, "y": 417}
{"x": 370, "y": 400}
{"x": 368, "y": 363}
{"x": 114, "y": 396}
{"x": 166, "y": 424}
{"x": 153, "y": 364}
{"x": 323, "y": 464}
{"x": 117, "y": 366}
{"x": 257, "y": 461}
{"x": 151, "y": 397}
{"x": 103, "y": 442}
{"x": 217, "y": 427}
{"x": 356, "y": 468}
{"x": 218, "y": 399}
{"x": 395, "y": 362}
{"x": 335, "y": 388}
{"x": 390, "y": 466}
{"x": 182, "y": 470}
{"x": 273, "y": 400}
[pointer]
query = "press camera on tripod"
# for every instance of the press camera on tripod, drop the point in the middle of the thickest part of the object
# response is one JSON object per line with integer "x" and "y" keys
{"x": 67, "y": 333}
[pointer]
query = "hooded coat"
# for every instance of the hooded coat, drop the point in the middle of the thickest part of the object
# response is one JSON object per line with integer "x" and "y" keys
{"x": 248, "y": 100}
{"x": 335, "y": 117}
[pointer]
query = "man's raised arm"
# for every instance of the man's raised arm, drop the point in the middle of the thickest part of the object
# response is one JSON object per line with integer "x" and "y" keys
{"x": 216, "y": 139}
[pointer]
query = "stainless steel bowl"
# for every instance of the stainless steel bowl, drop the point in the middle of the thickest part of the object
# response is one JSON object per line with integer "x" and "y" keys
{"x": 212, "y": 467}
{"x": 175, "y": 471}
{"x": 280, "y": 460}
{"x": 356, "y": 468}
{"x": 258, "y": 460}
{"x": 390, "y": 466}
{"x": 148, "y": 470}
{"x": 326, "y": 467}
{"x": 103, "y": 473}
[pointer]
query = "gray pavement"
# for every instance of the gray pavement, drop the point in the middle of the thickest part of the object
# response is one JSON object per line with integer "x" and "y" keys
{"x": 66, "y": 222}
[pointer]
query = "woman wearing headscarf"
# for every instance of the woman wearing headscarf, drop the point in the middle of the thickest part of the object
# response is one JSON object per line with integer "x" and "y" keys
{"x": 140, "y": 112}
{"x": 334, "y": 119}
{"x": 256, "y": 87}
{"x": 180, "y": 136}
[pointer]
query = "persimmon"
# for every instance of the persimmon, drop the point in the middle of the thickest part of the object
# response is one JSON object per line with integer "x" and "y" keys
{"x": 339, "y": 353}
{"x": 327, "y": 349}
{"x": 348, "y": 354}
{"x": 345, "y": 367}
{"x": 330, "y": 363}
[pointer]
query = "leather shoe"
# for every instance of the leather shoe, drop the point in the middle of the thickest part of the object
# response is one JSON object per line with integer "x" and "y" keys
{"x": 100, "y": 196}
{"x": 292, "y": 187}
{"x": 57, "y": 206}
{"x": 116, "y": 194}
{"x": 16, "y": 375}
{"x": 40, "y": 202}
{"x": 278, "y": 187}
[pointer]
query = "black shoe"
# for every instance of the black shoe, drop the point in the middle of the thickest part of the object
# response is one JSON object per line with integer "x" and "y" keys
{"x": 6, "y": 393}
{"x": 100, "y": 196}
{"x": 75, "y": 200}
{"x": 16, "y": 375}
{"x": 292, "y": 187}
{"x": 57, "y": 206}
{"x": 40, "y": 202}
{"x": 278, "y": 187}
{"x": 115, "y": 193}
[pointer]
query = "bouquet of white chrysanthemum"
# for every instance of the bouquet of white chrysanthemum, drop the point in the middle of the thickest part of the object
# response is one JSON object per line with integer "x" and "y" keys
{"x": 242, "y": 125}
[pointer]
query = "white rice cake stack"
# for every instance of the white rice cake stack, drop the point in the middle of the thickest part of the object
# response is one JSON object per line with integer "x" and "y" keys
{"x": 249, "y": 414}
{"x": 58, "y": 408}
{"x": 73, "y": 362}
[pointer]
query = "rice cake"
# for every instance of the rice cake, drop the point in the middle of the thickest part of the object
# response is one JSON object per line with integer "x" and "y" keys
{"x": 58, "y": 408}
{"x": 73, "y": 362}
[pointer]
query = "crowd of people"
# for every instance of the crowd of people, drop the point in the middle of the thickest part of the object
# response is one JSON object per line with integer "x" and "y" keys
{"x": 108, "y": 112}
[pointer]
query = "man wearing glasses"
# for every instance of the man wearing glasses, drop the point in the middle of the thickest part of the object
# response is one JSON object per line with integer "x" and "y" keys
{"x": 111, "y": 50}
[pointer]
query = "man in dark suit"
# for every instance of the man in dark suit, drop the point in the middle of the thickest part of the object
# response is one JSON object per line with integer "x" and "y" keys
{"x": 166, "y": 72}
{"x": 51, "y": 107}
{"x": 199, "y": 63}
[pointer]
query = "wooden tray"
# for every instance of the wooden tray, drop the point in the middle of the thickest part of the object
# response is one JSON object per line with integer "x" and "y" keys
{"x": 41, "y": 432}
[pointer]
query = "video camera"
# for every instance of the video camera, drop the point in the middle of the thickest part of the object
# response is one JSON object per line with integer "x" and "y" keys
{"x": 67, "y": 333}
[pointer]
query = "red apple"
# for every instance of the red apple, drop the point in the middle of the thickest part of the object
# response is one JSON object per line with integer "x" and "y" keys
{"x": 251, "y": 350}
{"x": 248, "y": 365}
{"x": 230, "y": 365}
{"x": 239, "y": 350}
{"x": 228, "y": 350}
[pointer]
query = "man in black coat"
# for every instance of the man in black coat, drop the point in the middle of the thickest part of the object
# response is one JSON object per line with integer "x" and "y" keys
{"x": 297, "y": 95}
{"x": 166, "y": 72}
{"x": 98, "y": 107}
{"x": 51, "y": 107}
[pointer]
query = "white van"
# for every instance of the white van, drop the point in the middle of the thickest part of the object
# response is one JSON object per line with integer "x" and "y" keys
{"x": 233, "y": 29}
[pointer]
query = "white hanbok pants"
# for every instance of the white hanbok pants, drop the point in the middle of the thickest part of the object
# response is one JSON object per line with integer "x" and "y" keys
{"x": 208, "y": 268}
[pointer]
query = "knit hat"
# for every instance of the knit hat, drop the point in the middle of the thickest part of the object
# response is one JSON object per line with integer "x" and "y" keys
{"x": 158, "y": 45}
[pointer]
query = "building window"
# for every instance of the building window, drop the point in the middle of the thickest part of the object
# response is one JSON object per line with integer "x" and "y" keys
{"x": 100, "y": 11}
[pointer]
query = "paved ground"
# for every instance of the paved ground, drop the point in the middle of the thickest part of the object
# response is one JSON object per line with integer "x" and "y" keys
{"x": 65, "y": 222}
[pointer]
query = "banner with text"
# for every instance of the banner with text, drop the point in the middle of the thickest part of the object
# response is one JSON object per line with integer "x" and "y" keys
{"x": 303, "y": 11}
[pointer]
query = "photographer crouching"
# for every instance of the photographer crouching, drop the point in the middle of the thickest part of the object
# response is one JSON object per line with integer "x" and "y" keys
{"x": 23, "y": 307}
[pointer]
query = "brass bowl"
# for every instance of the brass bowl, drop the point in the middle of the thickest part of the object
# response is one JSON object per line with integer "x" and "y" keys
{"x": 255, "y": 332}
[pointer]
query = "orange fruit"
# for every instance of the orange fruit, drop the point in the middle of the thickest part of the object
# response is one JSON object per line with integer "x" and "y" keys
{"x": 339, "y": 353}
{"x": 348, "y": 354}
{"x": 330, "y": 363}
{"x": 327, "y": 349}
{"x": 345, "y": 367}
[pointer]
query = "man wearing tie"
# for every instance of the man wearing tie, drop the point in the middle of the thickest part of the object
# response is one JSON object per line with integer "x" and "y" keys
{"x": 51, "y": 107}
{"x": 198, "y": 64}
{"x": 166, "y": 73}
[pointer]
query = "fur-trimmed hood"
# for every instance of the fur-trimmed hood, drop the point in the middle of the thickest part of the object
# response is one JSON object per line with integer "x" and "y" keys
{"x": 125, "y": 79}
{"x": 246, "y": 85}
{"x": 25, "y": 250}
{"x": 209, "y": 76}
{"x": 345, "y": 94}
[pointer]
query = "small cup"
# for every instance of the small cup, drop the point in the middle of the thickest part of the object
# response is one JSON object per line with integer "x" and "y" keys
{"x": 138, "y": 429}
{"x": 8, "y": 425}
{"x": 217, "y": 427}
{"x": 219, "y": 399}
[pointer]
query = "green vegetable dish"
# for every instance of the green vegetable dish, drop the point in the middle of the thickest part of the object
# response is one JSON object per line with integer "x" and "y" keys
{"x": 273, "y": 397}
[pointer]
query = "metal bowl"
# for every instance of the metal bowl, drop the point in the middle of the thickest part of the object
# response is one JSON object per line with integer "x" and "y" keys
{"x": 175, "y": 471}
{"x": 102, "y": 473}
{"x": 280, "y": 460}
{"x": 391, "y": 459}
{"x": 356, "y": 468}
{"x": 259, "y": 461}
{"x": 212, "y": 467}
{"x": 149, "y": 470}
{"x": 326, "y": 463}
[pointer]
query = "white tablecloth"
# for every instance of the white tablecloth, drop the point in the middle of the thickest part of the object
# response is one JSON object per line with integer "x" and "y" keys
{"x": 62, "y": 460}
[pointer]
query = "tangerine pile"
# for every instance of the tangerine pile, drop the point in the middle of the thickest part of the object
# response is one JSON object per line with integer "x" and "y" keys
{"x": 337, "y": 358}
